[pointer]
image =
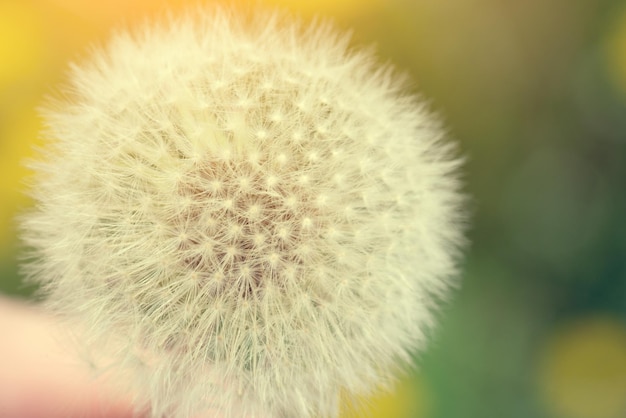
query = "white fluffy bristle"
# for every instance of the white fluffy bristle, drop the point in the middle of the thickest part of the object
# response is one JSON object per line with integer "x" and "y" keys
{"x": 244, "y": 215}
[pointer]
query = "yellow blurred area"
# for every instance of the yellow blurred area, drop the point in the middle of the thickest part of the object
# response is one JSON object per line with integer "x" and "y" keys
{"x": 583, "y": 370}
{"x": 105, "y": 11}
{"x": 330, "y": 8}
{"x": 20, "y": 135}
{"x": 20, "y": 42}
{"x": 616, "y": 51}
{"x": 116, "y": 12}
{"x": 21, "y": 67}
{"x": 410, "y": 399}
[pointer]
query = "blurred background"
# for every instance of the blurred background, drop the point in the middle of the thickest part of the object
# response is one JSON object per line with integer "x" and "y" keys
{"x": 535, "y": 93}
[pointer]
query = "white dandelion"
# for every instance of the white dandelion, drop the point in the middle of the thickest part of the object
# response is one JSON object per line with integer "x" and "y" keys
{"x": 243, "y": 215}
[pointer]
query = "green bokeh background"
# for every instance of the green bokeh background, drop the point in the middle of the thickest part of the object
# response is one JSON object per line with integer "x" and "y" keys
{"x": 535, "y": 93}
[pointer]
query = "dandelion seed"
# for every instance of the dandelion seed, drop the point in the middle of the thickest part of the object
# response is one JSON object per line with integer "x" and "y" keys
{"x": 218, "y": 210}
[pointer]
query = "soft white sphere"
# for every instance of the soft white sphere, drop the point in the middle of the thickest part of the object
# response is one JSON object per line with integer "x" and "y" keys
{"x": 243, "y": 214}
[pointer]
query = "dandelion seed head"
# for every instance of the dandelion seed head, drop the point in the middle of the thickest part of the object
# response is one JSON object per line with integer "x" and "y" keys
{"x": 250, "y": 215}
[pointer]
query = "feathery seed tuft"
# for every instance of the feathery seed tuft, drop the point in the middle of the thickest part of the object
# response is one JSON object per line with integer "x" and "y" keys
{"x": 244, "y": 215}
